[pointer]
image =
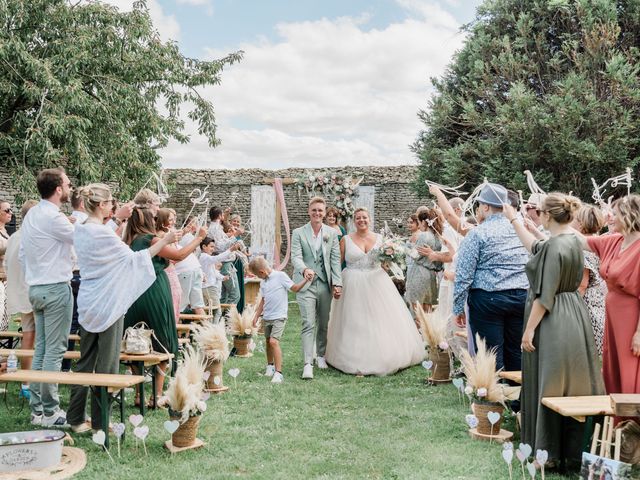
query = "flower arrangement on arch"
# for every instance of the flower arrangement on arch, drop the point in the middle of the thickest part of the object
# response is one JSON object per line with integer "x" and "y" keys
{"x": 343, "y": 189}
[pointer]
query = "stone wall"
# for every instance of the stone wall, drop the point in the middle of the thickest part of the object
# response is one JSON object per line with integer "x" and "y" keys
{"x": 394, "y": 195}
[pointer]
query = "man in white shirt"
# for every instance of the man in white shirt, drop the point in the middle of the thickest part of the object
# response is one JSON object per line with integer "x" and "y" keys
{"x": 190, "y": 277}
{"x": 46, "y": 256}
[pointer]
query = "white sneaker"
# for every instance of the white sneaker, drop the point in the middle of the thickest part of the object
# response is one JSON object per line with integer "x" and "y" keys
{"x": 277, "y": 378}
{"x": 57, "y": 420}
{"x": 271, "y": 369}
{"x": 307, "y": 371}
{"x": 322, "y": 363}
{"x": 36, "y": 419}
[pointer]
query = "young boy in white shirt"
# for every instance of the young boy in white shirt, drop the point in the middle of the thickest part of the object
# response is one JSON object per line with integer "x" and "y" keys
{"x": 212, "y": 285}
{"x": 274, "y": 308}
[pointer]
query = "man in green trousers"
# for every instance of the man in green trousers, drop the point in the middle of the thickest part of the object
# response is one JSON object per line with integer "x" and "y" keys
{"x": 315, "y": 255}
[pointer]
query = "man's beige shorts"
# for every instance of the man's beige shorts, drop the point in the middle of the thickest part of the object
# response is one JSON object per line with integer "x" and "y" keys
{"x": 274, "y": 328}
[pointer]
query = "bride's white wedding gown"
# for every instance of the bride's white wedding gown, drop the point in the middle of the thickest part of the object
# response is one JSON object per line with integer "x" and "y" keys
{"x": 371, "y": 331}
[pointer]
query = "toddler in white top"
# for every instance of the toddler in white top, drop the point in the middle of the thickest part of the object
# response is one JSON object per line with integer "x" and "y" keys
{"x": 274, "y": 308}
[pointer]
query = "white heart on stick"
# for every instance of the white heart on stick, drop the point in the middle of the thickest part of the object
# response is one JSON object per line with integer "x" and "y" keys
{"x": 216, "y": 380}
{"x": 99, "y": 438}
{"x": 206, "y": 375}
{"x": 141, "y": 432}
{"x": 493, "y": 417}
{"x": 532, "y": 469}
{"x": 458, "y": 383}
{"x": 136, "y": 419}
{"x": 507, "y": 455}
{"x": 427, "y": 364}
{"x": 471, "y": 420}
{"x": 118, "y": 429}
{"x": 171, "y": 426}
{"x": 234, "y": 372}
{"x": 526, "y": 449}
{"x": 541, "y": 457}
{"x": 520, "y": 456}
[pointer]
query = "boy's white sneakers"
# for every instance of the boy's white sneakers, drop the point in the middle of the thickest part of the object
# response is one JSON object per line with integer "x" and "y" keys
{"x": 271, "y": 369}
{"x": 277, "y": 378}
{"x": 322, "y": 363}
{"x": 307, "y": 371}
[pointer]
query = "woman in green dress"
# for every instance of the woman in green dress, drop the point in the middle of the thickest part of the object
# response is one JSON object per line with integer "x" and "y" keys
{"x": 559, "y": 356}
{"x": 155, "y": 306}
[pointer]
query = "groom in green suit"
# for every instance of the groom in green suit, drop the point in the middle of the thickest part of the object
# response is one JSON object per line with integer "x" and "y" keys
{"x": 315, "y": 255}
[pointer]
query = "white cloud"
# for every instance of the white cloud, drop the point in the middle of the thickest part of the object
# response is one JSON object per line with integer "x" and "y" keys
{"x": 167, "y": 25}
{"x": 199, "y": 3}
{"x": 328, "y": 92}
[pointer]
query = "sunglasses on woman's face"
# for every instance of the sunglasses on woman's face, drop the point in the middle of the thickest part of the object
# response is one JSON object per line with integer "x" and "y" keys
{"x": 7, "y": 210}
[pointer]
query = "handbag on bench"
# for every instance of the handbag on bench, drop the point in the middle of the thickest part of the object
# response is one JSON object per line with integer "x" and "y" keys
{"x": 137, "y": 340}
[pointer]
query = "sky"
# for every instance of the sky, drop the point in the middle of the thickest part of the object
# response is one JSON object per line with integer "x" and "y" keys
{"x": 323, "y": 83}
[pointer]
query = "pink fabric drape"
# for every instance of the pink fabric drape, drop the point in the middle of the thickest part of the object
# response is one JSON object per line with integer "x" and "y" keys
{"x": 277, "y": 186}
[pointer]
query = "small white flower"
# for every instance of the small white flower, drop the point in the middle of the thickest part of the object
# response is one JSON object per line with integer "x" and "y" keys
{"x": 443, "y": 345}
{"x": 468, "y": 389}
{"x": 202, "y": 406}
{"x": 481, "y": 392}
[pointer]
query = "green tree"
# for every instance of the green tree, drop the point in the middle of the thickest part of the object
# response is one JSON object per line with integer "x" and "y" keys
{"x": 551, "y": 86}
{"x": 88, "y": 87}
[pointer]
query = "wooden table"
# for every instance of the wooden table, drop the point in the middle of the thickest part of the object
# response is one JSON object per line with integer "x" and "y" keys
{"x": 580, "y": 407}
{"x": 514, "y": 376}
{"x": 104, "y": 383}
{"x": 141, "y": 362}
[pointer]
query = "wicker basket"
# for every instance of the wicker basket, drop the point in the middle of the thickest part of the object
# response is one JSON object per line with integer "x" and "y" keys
{"x": 441, "y": 364}
{"x": 185, "y": 435}
{"x": 215, "y": 370}
{"x": 241, "y": 344}
{"x": 480, "y": 410}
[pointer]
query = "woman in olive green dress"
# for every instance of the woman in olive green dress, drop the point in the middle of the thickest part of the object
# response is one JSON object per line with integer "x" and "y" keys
{"x": 155, "y": 306}
{"x": 559, "y": 356}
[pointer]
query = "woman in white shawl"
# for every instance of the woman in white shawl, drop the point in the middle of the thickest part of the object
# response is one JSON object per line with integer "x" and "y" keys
{"x": 113, "y": 277}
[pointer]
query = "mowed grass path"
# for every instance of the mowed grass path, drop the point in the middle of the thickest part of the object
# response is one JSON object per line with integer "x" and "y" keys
{"x": 335, "y": 427}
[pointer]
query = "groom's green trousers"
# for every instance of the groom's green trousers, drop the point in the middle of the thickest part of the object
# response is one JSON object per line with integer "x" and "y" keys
{"x": 315, "y": 305}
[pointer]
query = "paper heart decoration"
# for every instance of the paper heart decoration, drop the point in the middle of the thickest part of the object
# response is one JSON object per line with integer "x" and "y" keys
{"x": 520, "y": 456}
{"x": 234, "y": 372}
{"x": 206, "y": 375}
{"x": 171, "y": 426}
{"x": 427, "y": 364}
{"x": 471, "y": 420}
{"x": 493, "y": 417}
{"x": 99, "y": 438}
{"x": 136, "y": 419}
{"x": 216, "y": 380}
{"x": 532, "y": 469}
{"x": 526, "y": 449}
{"x": 252, "y": 345}
{"x": 541, "y": 457}
{"x": 141, "y": 432}
{"x": 205, "y": 396}
{"x": 458, "y": 383}
{"x": 118, "y": 429}
{"x": 507, "y": 455}
{"x": 507, "y": 446}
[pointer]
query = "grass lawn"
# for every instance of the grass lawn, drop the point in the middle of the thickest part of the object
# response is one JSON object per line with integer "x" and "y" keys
{"x": 335, "y": 426}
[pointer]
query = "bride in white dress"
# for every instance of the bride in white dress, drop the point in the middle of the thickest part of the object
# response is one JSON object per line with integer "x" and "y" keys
{"x": 371, "y": 331}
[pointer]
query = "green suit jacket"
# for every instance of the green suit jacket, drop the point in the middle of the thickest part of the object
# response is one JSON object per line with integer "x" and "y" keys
{"x": 304, "y": 256}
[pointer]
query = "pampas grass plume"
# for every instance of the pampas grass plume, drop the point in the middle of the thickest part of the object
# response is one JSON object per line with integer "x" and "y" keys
{"x": 433, "y": 326}
{"x": 481, "y": 371}
{"x": 212, "y": 341}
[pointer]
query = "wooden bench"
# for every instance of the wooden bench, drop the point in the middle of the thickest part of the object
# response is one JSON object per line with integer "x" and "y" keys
{"x": 580, "y": 407}
{"x": 184, "y": 329}
{"x": 102, "y": 385}
{"x": 12, "y": 337}
{"x": 514, "y": 376}
{"x": 141, "y": 362}
{"x": 192, "y": 317}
